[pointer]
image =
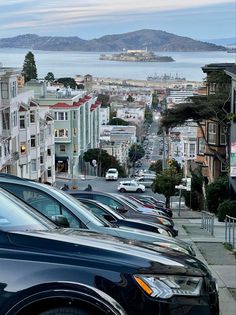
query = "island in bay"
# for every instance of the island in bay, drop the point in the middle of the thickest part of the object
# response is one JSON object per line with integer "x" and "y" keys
{"x": 137, "y": 56}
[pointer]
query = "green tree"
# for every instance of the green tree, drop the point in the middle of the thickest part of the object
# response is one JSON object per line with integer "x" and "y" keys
{"x": 50, "y": 77}
{"x": 104, "y": 161}
{"x": 156, "y": 167}
{"x": 148, "y": 115}
{"x": 68, "y": 82}
{"x": 118, "y": 122}
{"x": 104, "y": 99}
{"x": 136, "y": 152}
{"x": 155, "y": 100}
{"x": 29, "y": 70}
{"x": 130, "y": 99}
{"x": 165, "y": 183}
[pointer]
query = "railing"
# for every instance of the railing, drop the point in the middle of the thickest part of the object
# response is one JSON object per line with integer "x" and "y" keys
{"x": 207, "y": 222}
{"x": 230, "y": 226}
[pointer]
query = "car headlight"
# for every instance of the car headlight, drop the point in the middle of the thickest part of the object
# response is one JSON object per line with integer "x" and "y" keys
{"x": 173, "y": 246}
{"x": 167, "y": 286}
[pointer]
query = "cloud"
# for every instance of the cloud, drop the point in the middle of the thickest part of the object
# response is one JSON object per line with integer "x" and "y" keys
{"x": 32, "y": 15}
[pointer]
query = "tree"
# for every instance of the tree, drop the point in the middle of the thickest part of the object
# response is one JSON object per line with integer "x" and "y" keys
{"x": 29, "y": 70}
{"x": 136, "y": 152}
{"x": 104, "y": 161}
{"x": 165, "y": 183}
{"x": 50, "y": 77}
{"x": 214, "y": 107}
{"x": 130, "y": 99}
{"x": 156, "y": 167}
{"x": 216, "y": 193}
{"x": 104, "y": 99}
{"x": 68, "y": 82}
{"x": 118, "y": 122}
{"x": 155, "y": 100}
{"x": 148, "y": 115}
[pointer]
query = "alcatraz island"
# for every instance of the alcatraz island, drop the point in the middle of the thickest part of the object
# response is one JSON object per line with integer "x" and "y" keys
{"x": 136, "y": 56}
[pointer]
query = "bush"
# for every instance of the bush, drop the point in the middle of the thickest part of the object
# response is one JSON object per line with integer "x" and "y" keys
{"x": 227, "y": 207}
{"x": 216, "y": 193}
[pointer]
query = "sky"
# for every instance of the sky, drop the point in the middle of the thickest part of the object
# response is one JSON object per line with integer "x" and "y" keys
{"x": 88, "y": 19}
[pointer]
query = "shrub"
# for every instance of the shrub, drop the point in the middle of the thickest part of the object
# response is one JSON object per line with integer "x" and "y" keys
{"x": 227, "y": 207}
{"x": 216, "y": 193}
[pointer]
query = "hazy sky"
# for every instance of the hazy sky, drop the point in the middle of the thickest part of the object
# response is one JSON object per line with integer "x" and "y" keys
{"x": 199, "y": 19}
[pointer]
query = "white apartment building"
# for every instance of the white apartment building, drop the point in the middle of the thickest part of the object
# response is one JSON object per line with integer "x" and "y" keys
{"x": 104, "y": 115}
{"x": 183, "y": 143}
{"x": 178, "y": 96}
{"x": 131, "y": 114}
{"x": 20, "y": 144}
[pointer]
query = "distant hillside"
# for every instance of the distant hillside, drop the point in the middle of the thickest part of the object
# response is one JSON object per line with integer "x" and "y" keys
{"x": 223, "y": 41}
{"x": 151, "y": 39}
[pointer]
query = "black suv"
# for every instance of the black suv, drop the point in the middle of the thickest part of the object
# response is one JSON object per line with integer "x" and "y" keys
{"x": 50, "y": 271}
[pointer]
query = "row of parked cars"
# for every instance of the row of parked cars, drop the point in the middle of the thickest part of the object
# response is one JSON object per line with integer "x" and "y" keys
{"x": 88, "y": 252}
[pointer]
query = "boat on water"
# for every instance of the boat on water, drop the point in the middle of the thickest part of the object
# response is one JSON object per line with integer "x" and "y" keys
{"x": 165, "y": 78}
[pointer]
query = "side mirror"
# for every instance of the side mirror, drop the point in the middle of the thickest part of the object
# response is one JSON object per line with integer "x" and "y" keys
{"x": 61, "y": 220}
{"x": 121, "y": 209}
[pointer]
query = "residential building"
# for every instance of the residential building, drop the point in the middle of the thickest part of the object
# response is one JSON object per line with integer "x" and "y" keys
{"x": 104, "y": 115}
{"x": 20, "y": 144}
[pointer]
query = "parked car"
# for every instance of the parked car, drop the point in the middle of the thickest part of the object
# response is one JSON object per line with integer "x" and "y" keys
{"x": 120, "y": 205}
{"x": 48, "y": 271}
{"x": 112, "y": 174}
{"x": 116, "y": 219}
{"x": 42, "y": 267}
{"x": 130, "y": 186}
{"x": 147, "y": 210}
{"x": 64, "y": 210}
{"x": 145, "y": 180}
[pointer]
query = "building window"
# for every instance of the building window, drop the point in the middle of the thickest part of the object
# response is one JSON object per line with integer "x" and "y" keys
{"x": 49, "y": 172}
{"x": 75, "y": 148}
{"x": 222, "y": 135}
{"x": 185, "y": 149}
{"x": 223, "y": 167}
{"x": 49, "y": 152}
{"x": 61, "y": 116}
{"x": 201, "y": 146}
{"x": 14, "y": 119}
{"x": 4, "y": 90}
{"x": 32, "y": 116}
{"x": 34, "y": 165}
{"x": 74, "y": 115}
{"x": 74, "y": 132}
{"x": 61, "y": 133}
{"x": 192, "y": 149}
{"x": 22, "y": 121}
{"x": 23, "y": 148}
{"x": 33, "y": 141}
{"x": 41, "y": 159}
{"x": 13, "y": 89}
{"x": 62, "y": 148}
{"x": 212, "y": 133}
{"x": 6, "y": 120}
{"x": 0, "y": 151}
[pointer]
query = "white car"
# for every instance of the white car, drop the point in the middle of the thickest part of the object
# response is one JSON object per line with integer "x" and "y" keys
{"x": 112, "y": 174}
{"x": 130, "y": 186}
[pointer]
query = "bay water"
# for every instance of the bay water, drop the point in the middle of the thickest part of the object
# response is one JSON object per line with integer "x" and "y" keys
{"x": 72, "y": 63}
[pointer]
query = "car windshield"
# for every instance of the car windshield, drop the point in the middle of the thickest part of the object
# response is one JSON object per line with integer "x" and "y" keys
{"x": 112, "y": 171}
{"x": 15, "y": 215}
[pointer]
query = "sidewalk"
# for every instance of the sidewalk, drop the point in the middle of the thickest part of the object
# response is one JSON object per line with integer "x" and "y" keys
{"x": 211, "y": 250}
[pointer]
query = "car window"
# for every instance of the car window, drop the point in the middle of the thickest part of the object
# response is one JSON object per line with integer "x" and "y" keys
{"x": 43, "y": 202}
{"x": 100, "y": 213}
{"x": 107, "y": 201}
{"x": 16, "y": 216}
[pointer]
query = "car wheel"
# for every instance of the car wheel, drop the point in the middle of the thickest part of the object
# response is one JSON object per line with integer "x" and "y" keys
{"x": 122, "y": 190}
{"x": 66, "y": 311}
{"x": 139, "y": 190}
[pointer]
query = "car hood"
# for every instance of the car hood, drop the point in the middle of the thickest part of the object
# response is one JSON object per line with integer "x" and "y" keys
{"x": 91, "y": 247}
